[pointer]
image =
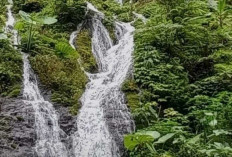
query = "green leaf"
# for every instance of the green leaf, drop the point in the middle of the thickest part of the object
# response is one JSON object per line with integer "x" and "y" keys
{"x": 208, "y": 114}
{"x": 131, "y": 141}
{"x": 153, "y": 111}
{"x": 151, "y": 148}
{"x": 26, "y": 17}
{"x": 154, "y": 134}
{"x": 164, "y": 138}
{"x": 49, "y": 20}
{"x": 194, "y": 139}
{"x": 221, "y": 131}
{"x": 24, "y": 14}
{"x": 3, "y": 36}
{"x": 213, "y": 123}
{"x": 19, "y": 25}
{"x": 64, "y": 50}
{"x": 207, "y": 151}
{"x": 221, "y": 5}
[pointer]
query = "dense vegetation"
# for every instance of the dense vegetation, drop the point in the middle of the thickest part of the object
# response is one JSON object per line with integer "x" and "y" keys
{"x": 180, "y": 92}
{"x": 44, "y": 27}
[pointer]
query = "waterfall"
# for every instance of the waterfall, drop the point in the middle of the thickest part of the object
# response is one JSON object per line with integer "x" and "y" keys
{"x": 10, "y": 23}
{"x": 48, "y": 133}
{"x": 46, "y": 119}
{"x": 104, "y": 118}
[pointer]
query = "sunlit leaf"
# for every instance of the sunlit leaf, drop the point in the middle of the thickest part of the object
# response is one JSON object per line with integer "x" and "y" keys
{"x": 49, "y": 20}
{"x": 154, "y": 134}
{"x": 26, "y": 17}
{"x": 131, "y": 141}
{"x": 213, "y": 123}
{"x": 19, "y": 25}
{"x": 194, "y": 139}
{"x": 3, "y": 36}
{"x": 220, "y": 132}
{"x": 164, "y": 138}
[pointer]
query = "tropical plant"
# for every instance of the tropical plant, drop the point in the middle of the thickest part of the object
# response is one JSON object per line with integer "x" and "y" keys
{"x": 64, "y": 50}
{"x": 222, "y": 12}
{"x": 32, "y": 22}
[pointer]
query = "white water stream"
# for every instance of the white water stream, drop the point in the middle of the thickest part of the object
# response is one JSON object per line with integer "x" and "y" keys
{"x": 103, "y": 102}
{"x": 48, "y": 142}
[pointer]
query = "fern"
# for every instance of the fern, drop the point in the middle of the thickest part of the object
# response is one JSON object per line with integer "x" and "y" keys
{"x": 64, "y": 50}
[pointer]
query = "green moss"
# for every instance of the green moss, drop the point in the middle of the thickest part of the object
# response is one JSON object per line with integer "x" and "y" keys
{"x": 15, "y": 91}
{"x": 222, "y": 56}
{"x": 110, "y": 26}
{"x": 74, "y": 109}
{"x": 132, "y": 94}
{"x": 133, "y": 100}
{"x": 52, "y": 58}
{"x": 63, "y": 77}
{"x": 130, "y": 86}
{"x": 84, "y": 48}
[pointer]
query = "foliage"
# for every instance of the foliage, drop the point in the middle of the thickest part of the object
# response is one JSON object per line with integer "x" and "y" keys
{"x": 182, "y": 68}
{"x": 65, "y": 78}
{"x": 181, "y": 88}
{"x": 10, "y": 70}
{"x": 64, "y": 50}
{"x": 45, "y": 33}
{"x": 69, "y": 14}
{"x": 31, "y": 22}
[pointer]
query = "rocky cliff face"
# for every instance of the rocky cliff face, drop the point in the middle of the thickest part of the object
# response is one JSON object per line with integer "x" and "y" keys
{"x": 16, "y": 128}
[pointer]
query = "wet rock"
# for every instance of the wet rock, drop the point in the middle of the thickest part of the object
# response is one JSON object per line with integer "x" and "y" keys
{"x": 67, "y": 121}
{"x": 118, "y": 117}
{"x": 16, "y": 128}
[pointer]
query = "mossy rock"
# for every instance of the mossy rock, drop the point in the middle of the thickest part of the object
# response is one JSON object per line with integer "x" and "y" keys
{"x": 63, "y": 77}
{"x": 84, "y": 48}
{"x": 131, "y": 91}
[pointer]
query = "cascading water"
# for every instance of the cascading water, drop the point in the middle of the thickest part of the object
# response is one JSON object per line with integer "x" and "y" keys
{"x": 48, "y": 142}
{"x": 48, "y": 132}
{"x": 10, "y": 23}
{"x": 104, "y": 117}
